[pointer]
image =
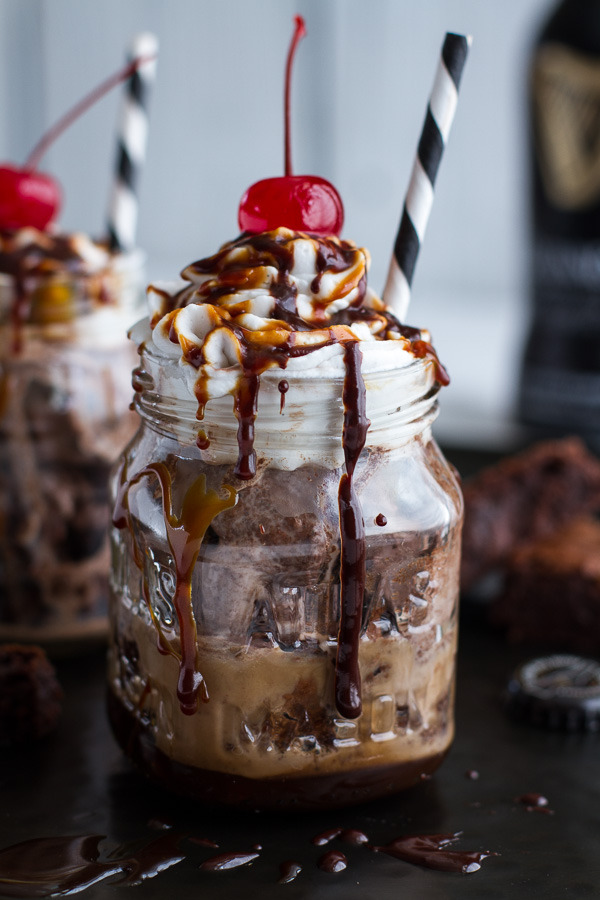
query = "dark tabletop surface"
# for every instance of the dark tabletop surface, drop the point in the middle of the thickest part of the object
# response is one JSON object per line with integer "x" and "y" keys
{"x": 77, "y": 782}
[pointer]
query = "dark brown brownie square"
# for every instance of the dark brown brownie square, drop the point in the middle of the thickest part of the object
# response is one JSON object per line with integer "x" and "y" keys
{"x": 524, "y": 497}
{"x": 30, "y": 695}
{"x": 552, "y": 590}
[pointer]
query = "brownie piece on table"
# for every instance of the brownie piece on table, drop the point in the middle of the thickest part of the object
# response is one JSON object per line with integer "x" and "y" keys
{"x": 30, "y": 695}
{"x": 525, "y": 497}
{"x": 552, "y": 590}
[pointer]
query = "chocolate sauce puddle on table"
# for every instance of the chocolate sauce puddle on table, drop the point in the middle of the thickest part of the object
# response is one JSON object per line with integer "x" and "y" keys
{"x": 333, "y": 861}
{"x": 348, "y": 835}
{"x": 534, "y": 802}
{"x": 225, "y": 861}
{"x": 44, "y": 867}
{"x": 204, "y": 842}
{"x": 289, "y": 870}
{"x": 432, "y": 852}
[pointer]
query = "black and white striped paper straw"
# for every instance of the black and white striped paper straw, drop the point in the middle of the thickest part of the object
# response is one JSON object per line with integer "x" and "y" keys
{"x": 131, "y": 147}
{"x": 419, "y": 197}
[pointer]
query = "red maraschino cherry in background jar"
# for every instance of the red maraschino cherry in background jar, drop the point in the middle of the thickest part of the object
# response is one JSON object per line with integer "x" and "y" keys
{"x": 299, "y": 202}
{"x": 27, "y": 198}
{"x": 33, "y": 199}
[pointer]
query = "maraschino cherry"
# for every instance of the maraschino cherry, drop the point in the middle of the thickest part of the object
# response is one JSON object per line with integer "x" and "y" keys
{"x": 27, "y": 198}
{"x": 300, "y": 202}
{"x": 30, "y": 198}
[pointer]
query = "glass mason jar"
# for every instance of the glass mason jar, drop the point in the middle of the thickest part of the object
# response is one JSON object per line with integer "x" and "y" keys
{"x": 227, "y": 592}
{"x": 65, "y": 392}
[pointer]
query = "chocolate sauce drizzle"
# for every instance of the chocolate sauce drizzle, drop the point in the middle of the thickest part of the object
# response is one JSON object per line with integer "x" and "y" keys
{"x": 319, "y": 840}
{"x": 283, "y": 387}
{"x": 49, "y": 258}
{"x": 245, "y": 408}
{"x": 352, "y": 532}
{"x": 240, "y": 265}
{"x": 185, "y": 534}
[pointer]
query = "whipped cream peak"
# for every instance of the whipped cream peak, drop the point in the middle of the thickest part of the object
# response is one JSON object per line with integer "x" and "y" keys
{"x": 264, "y": 299}
{"x": 277, "y": 300}
{"x": 286, "y": 274}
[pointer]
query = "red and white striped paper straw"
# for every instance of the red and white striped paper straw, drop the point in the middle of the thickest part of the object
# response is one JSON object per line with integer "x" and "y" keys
{"x": 419, "y": 197}
{"x": 131, "y": 148}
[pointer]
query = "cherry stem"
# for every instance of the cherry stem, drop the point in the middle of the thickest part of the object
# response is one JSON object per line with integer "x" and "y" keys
{"x": 299, "y": 33}
{"x": 69, "y": 117}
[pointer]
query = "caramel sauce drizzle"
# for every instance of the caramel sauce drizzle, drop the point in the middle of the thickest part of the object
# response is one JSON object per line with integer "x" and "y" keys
{"x": 424, "y": 350}
{"x": 240, "y": 265}
{"x": 185, "y": 534}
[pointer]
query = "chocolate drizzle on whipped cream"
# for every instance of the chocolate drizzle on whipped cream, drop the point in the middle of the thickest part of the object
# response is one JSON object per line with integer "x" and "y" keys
{"x": 261, "y": 302}
{"x": 266, "y": 299}
{"x": 31, "y": 252}
{"x": 36, "y": 261}
{"x": 240, "y": 266}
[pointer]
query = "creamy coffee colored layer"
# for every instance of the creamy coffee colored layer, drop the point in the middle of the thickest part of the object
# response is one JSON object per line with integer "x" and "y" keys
{"x": 270, "y": 709}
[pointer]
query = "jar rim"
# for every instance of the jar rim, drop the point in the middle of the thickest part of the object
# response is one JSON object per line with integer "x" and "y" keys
{"x": 305, "y": 423}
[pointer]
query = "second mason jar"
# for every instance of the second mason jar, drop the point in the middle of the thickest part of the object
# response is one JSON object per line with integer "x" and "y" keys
{"x": 235, "y": 674}
{"x": 65, "y": 373}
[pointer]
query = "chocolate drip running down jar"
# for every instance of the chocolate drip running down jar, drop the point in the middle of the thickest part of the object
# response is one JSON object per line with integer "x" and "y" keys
{"x": 65, "y": 363}
{"x": 284, "y": 572}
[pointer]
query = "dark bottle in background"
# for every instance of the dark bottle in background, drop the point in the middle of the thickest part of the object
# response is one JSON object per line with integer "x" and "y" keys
{"x": 560, "y": 379}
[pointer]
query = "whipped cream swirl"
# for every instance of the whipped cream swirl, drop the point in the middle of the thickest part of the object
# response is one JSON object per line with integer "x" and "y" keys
{"x": 278, "y": 300}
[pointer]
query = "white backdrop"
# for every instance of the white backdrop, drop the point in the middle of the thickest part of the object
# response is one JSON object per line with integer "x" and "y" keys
{"x": 360, "y": 90}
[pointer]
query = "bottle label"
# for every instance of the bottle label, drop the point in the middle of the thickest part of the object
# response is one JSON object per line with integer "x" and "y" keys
{"x": 567, "y": 267}
{"x": 566, "y": 98}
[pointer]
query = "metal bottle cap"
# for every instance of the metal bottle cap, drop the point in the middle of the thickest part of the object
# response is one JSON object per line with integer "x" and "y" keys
{"x": 559, "y": 692}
